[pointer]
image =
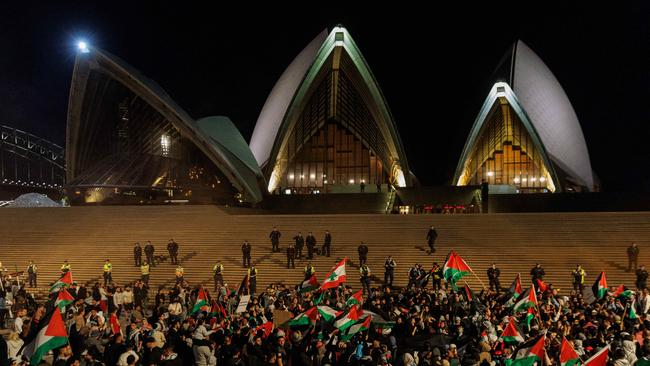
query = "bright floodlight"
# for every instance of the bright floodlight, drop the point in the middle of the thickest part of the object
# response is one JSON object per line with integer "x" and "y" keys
{"x": 83, "y": 47}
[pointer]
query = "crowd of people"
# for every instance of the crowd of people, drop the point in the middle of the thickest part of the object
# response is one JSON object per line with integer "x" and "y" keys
{"x": 428, "y": 322}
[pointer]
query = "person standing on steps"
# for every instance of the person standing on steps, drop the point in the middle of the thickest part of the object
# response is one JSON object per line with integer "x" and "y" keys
{"x": 291, "y": 256}
{"x": 309, "y": 270}
{"x": 144, "y": 272}
{"x": 493, "y": 274}
{"x": 641, "y": 278}
{"x": 180, "y": 274}
{"x": 137, "y": 254}
{"x": 172, "y": 248}
{"x": 108, "y": 272}
{"x": 327, "y": 243}
{"x": 363, "y": 253}
{"x": 389, "y": 271}
{"x": 364, "y": 272}
{"x": 246, "y": 253}
{"x": 65, "y": 267}
{"x": 300, "y": 242}
{"x": 275, "y": 239}
{"x": 217, "y": 273}
{"x": 149, "y": 250}
{"x": 432, "y": 235}
{"x": 311, "y": 244}
{"x": 252, "y": 279}
{"x": 32, "y": 270}
{"x": 632, "y": 256}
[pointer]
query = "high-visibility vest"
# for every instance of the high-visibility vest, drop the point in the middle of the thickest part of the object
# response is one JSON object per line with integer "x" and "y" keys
{"x": 309, "y": 269}
{"x": 65, "y": 267}
{"x": 252, "y": 272}
{"x": 217, "y": 268}
{"x": 33, "y": 268}
{"x": 108, "y": 267}
{"x": 179, "y": 271}
{"x": 364, "y": 270}
{"x": 144, "y": 269}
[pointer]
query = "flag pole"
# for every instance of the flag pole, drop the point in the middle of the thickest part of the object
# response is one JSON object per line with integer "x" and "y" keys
{"x": 478, "y": 278}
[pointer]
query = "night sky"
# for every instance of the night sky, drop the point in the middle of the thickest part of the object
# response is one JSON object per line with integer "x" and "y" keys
{"x": 434, "y": 67}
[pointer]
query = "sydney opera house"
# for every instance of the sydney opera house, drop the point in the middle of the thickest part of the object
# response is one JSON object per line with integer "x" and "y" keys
{"x": 325, "y": 128}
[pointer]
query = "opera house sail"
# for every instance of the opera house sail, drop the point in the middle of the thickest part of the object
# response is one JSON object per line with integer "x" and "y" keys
{"x": 526, "y": 135}
{"x": 128, "y": 142}
{"x": 326, "y": 127}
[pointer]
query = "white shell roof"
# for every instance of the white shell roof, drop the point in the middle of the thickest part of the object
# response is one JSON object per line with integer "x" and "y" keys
{"x": 552, "y": 114}
{"x": 275, "y": 107}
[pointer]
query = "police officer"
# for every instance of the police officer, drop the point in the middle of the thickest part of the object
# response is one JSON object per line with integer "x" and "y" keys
{"x": 252, "y": 279}
{"x": 137, "y": 254}
{"x": 311, "y": 244}
{"x": 327, "y": 243}
{"x": 180, "y": 273}
{"x": 641, "y": 278}
{"x": 108, "y": 272}
{"x": 493, "y": 274}
{"x": 246, "y": 253}
{"x": 65, "y": 267}
{"x": 578, "y": 275}
{"x": 363, "y": 253}
{"x": 300, "y": 242}
{"x": 275, "y": 239}
{"x": 364, "y": 272}
{"x": 309, "y": 270}
{"x": 144, "y": 272}
{"x": 291, "y": 256}
{"x": 149, "y": 250}
{"x": 537, "y": 273}
{"x": 32, "y": 269}
{"x": 217, "y": 273}
{"x": 432, "y": 234}
{"x": 172, "y": 248}
{"x": 389, "y": 271}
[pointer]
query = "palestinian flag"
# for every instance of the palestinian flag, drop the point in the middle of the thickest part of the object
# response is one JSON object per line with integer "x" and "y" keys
{"x": 632, "y": 312}
{"x": 349, "y": 319}
{"x": 64, "y": 281}
{"x": 515, "y": 291}
{"x": 244, "y": 286}
{"x": 597, "y": 291}
{"x": 319, "y": 299}
{"x": 379, "y": 324}
{"x": 217, "y": 308}
{"x": 598, "y": 359}
{"x": 528, "y": 300}
{"x": 530, "y": 315}
{"x": 454, "y": 269}
{"x": 512, "y": 335}
{"x": 568, "y": 356}
{"x": 623, "y": 292}
{"x": 357, "y": 328}
{"x": 308, "y": 317}
{"x": 308, "y": 285}
{"x": 63, "y": 299}
{"x": 201, "y": 301}
{"x": 266, "y": 327}
{"x": 328, "y": 313}
{"x": 529, "y": 353}
{"x": 335, "y": 277}
{"x": 355, "y": 299}
{"x": 50, "y": 334}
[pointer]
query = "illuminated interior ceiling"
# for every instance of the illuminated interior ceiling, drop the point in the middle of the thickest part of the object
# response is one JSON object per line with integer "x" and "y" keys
{"x": 542, "y": 107}
{"x": 123, "y": 130}
{"x": 326, "y": 122}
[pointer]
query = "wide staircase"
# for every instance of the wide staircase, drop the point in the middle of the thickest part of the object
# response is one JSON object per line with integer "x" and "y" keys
{"x": 86, "y": 236}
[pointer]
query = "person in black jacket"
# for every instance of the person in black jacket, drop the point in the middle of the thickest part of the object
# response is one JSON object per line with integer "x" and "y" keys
{"x": 246, "y": 253}
{"x": 311, "y": 244}
{"x": 363, "y": 254}
{"x": 537, "y": 273}
{"x": 291, "y": 256}
{"x": 172, "y": 248}
{"x": 300, "y": 242}
{"x": 275, "y": 239}
{"x": 432, "y": 235}
{"x": 641, "y": 278}
{"x": 137, "y": 254}
{"x": 632, "y": 256}
{"x": 327, "y": 243}
{"x": 149, "y": 250}
{"x": 493, "y": 274}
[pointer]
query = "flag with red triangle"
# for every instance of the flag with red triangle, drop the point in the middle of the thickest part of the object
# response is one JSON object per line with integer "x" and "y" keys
{"x": 63, "y": 299}
{"x": 49, "y": 335}
{"x": 201, "y": 301}
{"x": 266, "y": 327}
{"x": 309, "y": 284}
{"x": 355, "y": 299}
{"x": 568, "y": 356}
{"x": 597, "y": 291}
{"x": 529, "y": 353}
{"x": 512, "y": 335}
{"x": 454, "y": 269}
{"x": 623, "y": 292}
{"x": 335, "y": 277}
{"x": 357, "y": 328}
{"x": 308, "y": 317}
{"x": 349, "y": 319}
{"x": 541, "y": 286}
{"x": 64, "y": 281}
{"x": 599, "y": 358}
{"x": 528, "y": 300}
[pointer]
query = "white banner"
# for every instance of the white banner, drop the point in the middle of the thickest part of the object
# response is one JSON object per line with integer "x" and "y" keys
{"x": 243, "y": 303}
